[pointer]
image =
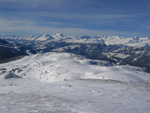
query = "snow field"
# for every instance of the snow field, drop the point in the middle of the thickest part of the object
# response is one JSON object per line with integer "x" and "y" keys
{"x": 67, "y": 83}
{"x": 52, "y": 67}
{"x": 81, "y": 96}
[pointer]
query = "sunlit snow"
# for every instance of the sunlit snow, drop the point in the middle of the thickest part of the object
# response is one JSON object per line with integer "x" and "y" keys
{"x": 67, "y": 83}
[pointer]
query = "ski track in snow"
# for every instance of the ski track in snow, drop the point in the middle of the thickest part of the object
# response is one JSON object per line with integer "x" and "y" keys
{"x": 67, "y": 83}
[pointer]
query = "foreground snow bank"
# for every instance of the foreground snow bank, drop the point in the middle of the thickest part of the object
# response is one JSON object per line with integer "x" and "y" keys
{"x": 80, "y": 96}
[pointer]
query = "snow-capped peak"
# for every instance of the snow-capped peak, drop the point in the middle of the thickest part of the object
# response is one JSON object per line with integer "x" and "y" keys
{"x": 58, "y": 35}
{"x": 45, "y": 37}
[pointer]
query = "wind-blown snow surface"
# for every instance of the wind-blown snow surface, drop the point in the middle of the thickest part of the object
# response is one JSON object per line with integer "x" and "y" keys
{"x": 67, "y": 83}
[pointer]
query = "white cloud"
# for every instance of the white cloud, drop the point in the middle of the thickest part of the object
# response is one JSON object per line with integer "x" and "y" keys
{"x": 26, "y": 27}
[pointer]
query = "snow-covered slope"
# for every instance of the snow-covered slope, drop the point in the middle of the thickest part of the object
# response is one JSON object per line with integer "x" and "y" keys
{"x": 67, "y": 83}
{"x": 51, "y": 67}
{"x": 132, "y": 51}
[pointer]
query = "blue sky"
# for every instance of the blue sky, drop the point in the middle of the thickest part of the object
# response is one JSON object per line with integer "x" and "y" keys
{"x": 126, "y": 18}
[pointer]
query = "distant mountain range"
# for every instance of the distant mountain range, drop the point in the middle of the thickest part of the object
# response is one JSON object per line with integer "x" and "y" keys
{"x": 118, "y": 50}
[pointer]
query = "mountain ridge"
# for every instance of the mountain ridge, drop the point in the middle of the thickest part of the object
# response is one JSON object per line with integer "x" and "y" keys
{"x": 122, "y": 51}
{"x": 109, "y": 40}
